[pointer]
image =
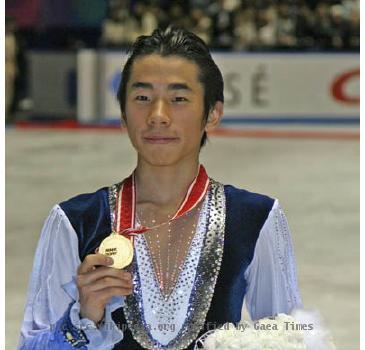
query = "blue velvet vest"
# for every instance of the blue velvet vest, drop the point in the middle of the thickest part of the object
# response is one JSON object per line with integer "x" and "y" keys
{"x": 246, "y": 213}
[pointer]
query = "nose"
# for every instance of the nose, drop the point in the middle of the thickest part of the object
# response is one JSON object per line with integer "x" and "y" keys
{"x": 159, "y": 113}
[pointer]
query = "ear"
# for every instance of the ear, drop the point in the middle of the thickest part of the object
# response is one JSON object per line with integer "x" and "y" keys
{"x": 214, "y": 117}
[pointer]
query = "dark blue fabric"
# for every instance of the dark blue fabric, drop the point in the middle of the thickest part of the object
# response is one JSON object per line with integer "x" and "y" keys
{"x": 89, "y": 215}
{"x": 246, "y": 213}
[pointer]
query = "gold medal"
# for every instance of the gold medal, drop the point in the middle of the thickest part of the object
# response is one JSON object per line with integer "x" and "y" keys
{"x": 119, "y": 248}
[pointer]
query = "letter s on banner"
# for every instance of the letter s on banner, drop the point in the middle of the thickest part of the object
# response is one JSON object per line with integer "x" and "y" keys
{"x": 338, "y": 87}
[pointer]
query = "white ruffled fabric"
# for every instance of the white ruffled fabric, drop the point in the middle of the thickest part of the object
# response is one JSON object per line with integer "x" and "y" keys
{"x": 271, "y": 276}
{"x": 53, "y": 287}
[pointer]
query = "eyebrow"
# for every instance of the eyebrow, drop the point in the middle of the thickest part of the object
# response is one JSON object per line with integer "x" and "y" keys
{"x": 172, "y": 86}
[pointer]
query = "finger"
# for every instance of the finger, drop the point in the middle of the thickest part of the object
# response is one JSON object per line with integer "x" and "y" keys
{"x": 97, "y": 250}
{"x": 102, "y": 272}
{"x": 107, "y": 282}
{"x": 106, "y": 294}
{"x": 93, "y": 260}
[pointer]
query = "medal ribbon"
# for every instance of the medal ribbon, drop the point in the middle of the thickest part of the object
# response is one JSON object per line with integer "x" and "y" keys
{"x": 126, "y": 203}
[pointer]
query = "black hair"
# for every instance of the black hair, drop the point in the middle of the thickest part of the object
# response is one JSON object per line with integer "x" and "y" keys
{"x": 177, "y": 42}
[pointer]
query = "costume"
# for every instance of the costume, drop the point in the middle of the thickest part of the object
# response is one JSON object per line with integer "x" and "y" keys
{"x": 241, "y": 248}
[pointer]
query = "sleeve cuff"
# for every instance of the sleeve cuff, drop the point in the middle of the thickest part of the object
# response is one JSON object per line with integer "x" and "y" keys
{"x": 104, "y": 337}
{"x": 75, "y": 337}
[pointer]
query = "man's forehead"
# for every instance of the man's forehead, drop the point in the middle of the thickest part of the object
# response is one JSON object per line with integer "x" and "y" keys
{"x": 159, "y": 85}
{"x": 157, "y": 69}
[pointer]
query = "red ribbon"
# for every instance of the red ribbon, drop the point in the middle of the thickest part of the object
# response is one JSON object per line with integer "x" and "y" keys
{"x": 126, "y": 203}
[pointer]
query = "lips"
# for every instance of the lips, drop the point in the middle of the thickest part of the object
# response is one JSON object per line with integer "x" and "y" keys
{"x": 160, "y": 139}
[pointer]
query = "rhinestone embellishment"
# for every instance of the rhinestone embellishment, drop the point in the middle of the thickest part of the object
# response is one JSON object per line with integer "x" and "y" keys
{"x": 204, "y": 257}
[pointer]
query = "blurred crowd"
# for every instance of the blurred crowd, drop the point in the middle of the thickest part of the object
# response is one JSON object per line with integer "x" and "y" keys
{"x": 241, "y": 24}
{"x": 234, "y": 25}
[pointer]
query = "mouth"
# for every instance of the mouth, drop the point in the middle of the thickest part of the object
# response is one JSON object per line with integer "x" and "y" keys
{"x": 159, "y": 140}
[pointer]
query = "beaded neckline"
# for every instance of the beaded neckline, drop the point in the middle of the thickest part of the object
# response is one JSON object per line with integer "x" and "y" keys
{"x": 202, "y": 289}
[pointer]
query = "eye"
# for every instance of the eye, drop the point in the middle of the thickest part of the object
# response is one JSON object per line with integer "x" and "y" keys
{"x": 141, "y": 98}
{"x": 179, "y": 99}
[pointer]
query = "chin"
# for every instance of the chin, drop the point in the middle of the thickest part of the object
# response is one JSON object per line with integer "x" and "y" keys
{"x": 165, "y": 157}
{"x": 161, "y": 158}
{"x": 161, "y": 161}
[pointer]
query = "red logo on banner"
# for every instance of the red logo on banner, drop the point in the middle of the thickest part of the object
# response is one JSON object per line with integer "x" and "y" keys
{"x": 338, "y": 88}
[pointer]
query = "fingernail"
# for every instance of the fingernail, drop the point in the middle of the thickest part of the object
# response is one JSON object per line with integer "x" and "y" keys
{"x": 109, "y": 261}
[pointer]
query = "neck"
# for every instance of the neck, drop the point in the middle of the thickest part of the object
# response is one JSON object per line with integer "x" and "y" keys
{"x": 164, "y": 186}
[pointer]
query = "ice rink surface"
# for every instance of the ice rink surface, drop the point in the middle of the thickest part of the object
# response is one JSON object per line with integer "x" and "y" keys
{"x": 316, "y": 181}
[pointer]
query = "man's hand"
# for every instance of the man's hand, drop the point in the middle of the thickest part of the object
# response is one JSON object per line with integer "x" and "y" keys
{"x": 97, "y": 284}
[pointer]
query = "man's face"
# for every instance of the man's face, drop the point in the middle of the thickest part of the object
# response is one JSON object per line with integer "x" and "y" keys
{"x": 164, "y": 109}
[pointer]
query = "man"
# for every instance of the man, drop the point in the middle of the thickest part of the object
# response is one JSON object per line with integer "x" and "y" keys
{"x": 200, "y": 247}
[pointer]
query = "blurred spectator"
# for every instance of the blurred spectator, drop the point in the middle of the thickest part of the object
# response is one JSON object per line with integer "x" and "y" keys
{"x": 178, "y": 16}
{"x": 354, "y": 31}
{"x": 349, "y": 6}
{"x": 223, "y": 25}
{"x": 245, "y": 31}
{"x": 305, "y": 27}
{"x": 11, "y": 68}
{"x": 322, "y": 35}
{"x": 339, "y": 30}
{"x": 267, "y": 28}
{"x": 201, "y": 25}
{"x": 145, "y": 21}
{"x": 232, "y": 5}
{"x": 149, "y": 20}
{"x": 118, "y": 29}
{"x": 285, "y": 27}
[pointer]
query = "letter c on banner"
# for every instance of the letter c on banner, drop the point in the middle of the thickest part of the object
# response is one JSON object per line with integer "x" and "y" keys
{"x": 339, "y": 84}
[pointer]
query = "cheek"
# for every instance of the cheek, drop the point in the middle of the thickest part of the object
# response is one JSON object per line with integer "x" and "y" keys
{"x": 191, "y": 113}
{"x": 132, "y": 127}
{"x": 193, "y": 129}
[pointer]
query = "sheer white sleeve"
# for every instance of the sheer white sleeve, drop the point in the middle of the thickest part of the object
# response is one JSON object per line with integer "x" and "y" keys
{"x": 51, "y": 319}
{"x": 271, "y": 277}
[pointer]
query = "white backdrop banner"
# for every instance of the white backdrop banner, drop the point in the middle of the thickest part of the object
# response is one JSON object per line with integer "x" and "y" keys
{"x": 261, "y": 86}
